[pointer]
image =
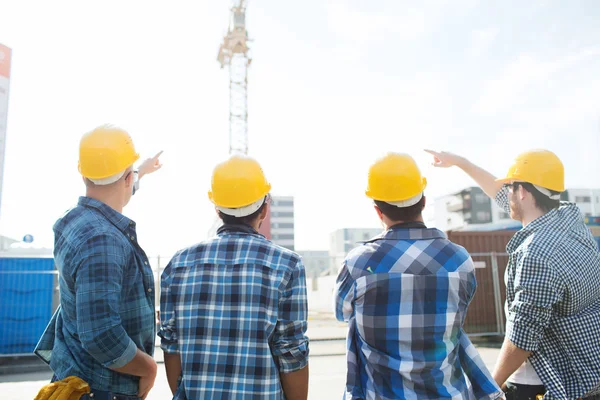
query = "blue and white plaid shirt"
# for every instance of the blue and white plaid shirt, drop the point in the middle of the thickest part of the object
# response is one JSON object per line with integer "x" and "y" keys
{"x": 106, "y": 299}
{"x": 553, "y": 299}
{"x": 405, "y": 294}
{"x": 235, "y": 309}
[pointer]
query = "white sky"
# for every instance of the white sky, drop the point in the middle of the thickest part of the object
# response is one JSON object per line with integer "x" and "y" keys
{"x": 332, "y": 85}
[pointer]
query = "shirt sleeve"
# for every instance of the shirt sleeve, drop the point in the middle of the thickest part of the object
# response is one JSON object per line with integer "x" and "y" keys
{"x": 484, "y": 386}
{"x": 537, "y": 288}
{"x": 343, "y": 294}
{"x": 168, "y": 326}
{"x": 502, "y": 199}
{"x": 98, "y": 285}
{"x": 290, "y": 343}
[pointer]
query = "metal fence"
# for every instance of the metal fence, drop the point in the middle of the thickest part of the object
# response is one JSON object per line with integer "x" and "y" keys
{"x": 29, "y": 296}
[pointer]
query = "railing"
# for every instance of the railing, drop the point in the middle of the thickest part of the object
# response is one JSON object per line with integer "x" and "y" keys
{"x": 29, "y": 296}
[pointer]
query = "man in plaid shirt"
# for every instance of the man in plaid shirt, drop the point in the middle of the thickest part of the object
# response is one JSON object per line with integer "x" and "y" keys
{"x": 234, "y": 308}
{"x": 405, "y": 294}
{"x": 104, "y": 330}
{"x": 552, "y": 343}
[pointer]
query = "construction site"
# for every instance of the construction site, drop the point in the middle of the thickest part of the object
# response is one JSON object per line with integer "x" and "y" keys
{"x": 303, "y": 219}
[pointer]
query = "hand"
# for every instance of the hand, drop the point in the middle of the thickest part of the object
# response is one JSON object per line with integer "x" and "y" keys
{"x": 150, "y": 165}
{"x": 147, "y": 382}
{"x": 445, "y": 159}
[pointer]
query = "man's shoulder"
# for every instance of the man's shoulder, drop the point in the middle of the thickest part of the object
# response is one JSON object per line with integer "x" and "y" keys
{"x": 440, "y": 250}
{"x": 247, "y": 247}
{"x": 80, "y": 225}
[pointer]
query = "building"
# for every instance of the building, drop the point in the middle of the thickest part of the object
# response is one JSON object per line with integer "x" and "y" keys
{"x": 588, "y": 200}
{"x": 315, "y": 262}
{"x": 278, "y": 226}
{"x": 341, "y": 241}
{"x": 471, "y": 207}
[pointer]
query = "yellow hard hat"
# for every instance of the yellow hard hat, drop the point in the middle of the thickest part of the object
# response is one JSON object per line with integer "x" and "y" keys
{"x": 395, "y": 177}
{"x": 238, "y": 182}
{"x": 105, "y": 152}
{"x": 538, "y": 167}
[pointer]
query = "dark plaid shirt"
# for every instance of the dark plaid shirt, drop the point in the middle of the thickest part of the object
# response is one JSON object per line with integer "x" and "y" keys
{"x": 106, "y": 299}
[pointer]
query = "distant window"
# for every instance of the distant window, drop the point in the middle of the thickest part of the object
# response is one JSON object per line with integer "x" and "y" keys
{"x": 283, "y": 236}
{"x": 283, "y": 203}
{"x": 481, "y": 198}
{"x": 503, "y": 215}
{"x": 283, "y": 214}
{"x": 285, "y": 225}
{"x": 583, "y": 199}
{"x": 483, "y": 216}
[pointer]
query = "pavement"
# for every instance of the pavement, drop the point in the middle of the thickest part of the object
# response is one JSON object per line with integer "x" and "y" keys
{"x": 327, "y": 366}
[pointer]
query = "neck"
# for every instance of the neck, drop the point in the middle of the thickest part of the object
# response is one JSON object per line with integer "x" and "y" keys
{"x": 387, "y": 223}
{"x": 106, "y": 197}
{"x": 531, "y": 216}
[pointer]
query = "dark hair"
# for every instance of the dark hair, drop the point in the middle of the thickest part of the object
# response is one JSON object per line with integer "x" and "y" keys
{"x": 542, "y": 201}
{"x": 247, "y": 220}
{"x": 405, "y": 214}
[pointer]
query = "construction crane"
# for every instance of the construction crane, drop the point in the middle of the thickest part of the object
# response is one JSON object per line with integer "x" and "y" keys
{"x": 233, "y": 53}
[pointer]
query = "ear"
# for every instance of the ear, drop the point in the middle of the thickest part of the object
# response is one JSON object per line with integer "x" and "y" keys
{"x": 424, "y": 202}
{"x": 263, "y": 213}
{"x": 379, "y": 213}
{"x": 129, "y": 179}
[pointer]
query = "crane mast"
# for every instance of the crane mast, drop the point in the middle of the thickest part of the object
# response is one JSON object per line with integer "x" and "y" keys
{"x": 233, "y": 53}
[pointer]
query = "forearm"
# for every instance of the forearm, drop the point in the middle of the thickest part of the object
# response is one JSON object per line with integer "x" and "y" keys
{"x": 509, "y": 360}
{"x": 173, "y": 369}
{"x": 484, "y": 179}
{"x": 295, "y": 384}
{"x": 141, "y": 365}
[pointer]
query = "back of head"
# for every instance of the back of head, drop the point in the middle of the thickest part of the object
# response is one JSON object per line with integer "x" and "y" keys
{"x": 396, "y": 185}
{"x": 239, "y": 189}
{"x": 105, "y": 153}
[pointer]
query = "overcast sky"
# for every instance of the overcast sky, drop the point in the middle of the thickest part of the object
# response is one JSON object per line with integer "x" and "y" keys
{"x": 332, "y": 85}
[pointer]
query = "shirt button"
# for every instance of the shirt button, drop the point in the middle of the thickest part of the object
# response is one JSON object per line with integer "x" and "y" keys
{"x": 149, "y": 290}
{"x": 145, "y": 262}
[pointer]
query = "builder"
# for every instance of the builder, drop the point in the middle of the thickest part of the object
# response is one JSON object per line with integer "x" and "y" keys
{"x": 552, "y": 342}
{"x": 405, "y": 294}
{"x": 103, "y": 332}
{"x": 234, "y": 308}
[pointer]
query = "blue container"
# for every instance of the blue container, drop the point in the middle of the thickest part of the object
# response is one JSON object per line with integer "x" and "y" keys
{"x": 26, "y": 286}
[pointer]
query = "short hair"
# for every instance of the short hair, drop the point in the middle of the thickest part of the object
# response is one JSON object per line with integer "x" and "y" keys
{"x": 247, "y": 220}
{"x": 542, "y": 201}
{"x": 408, "y": 214}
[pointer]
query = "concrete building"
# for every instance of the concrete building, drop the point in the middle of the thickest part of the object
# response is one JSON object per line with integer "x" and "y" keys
{"x": 588, "y": 200}
{"x": 281, "y": 221}
{"x": 472, "y": 207}
{"x": 343, "y": 240}
{"x": 315, "y": 262}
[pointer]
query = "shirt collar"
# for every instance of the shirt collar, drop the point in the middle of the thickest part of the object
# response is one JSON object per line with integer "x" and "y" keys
{"x": 239, "y": 228}
{"x": 408, "y": 231}
{"x": 114, "y": 217}
{"x": 542, "y": 222}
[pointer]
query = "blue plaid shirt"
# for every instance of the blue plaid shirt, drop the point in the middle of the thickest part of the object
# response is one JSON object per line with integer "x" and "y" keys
{"x": 405, "y": 294}
{"x": 235, "y": 309}
{"x": 553, "y": 300}
{"x": 106, "y": 299}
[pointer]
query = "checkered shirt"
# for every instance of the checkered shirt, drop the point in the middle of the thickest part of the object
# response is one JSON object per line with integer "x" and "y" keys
{"x": 553, "y": 299}
{"x": 235, "y": 309}
{"x": 405, "y": 294}
{"x": 106, "y": 299}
